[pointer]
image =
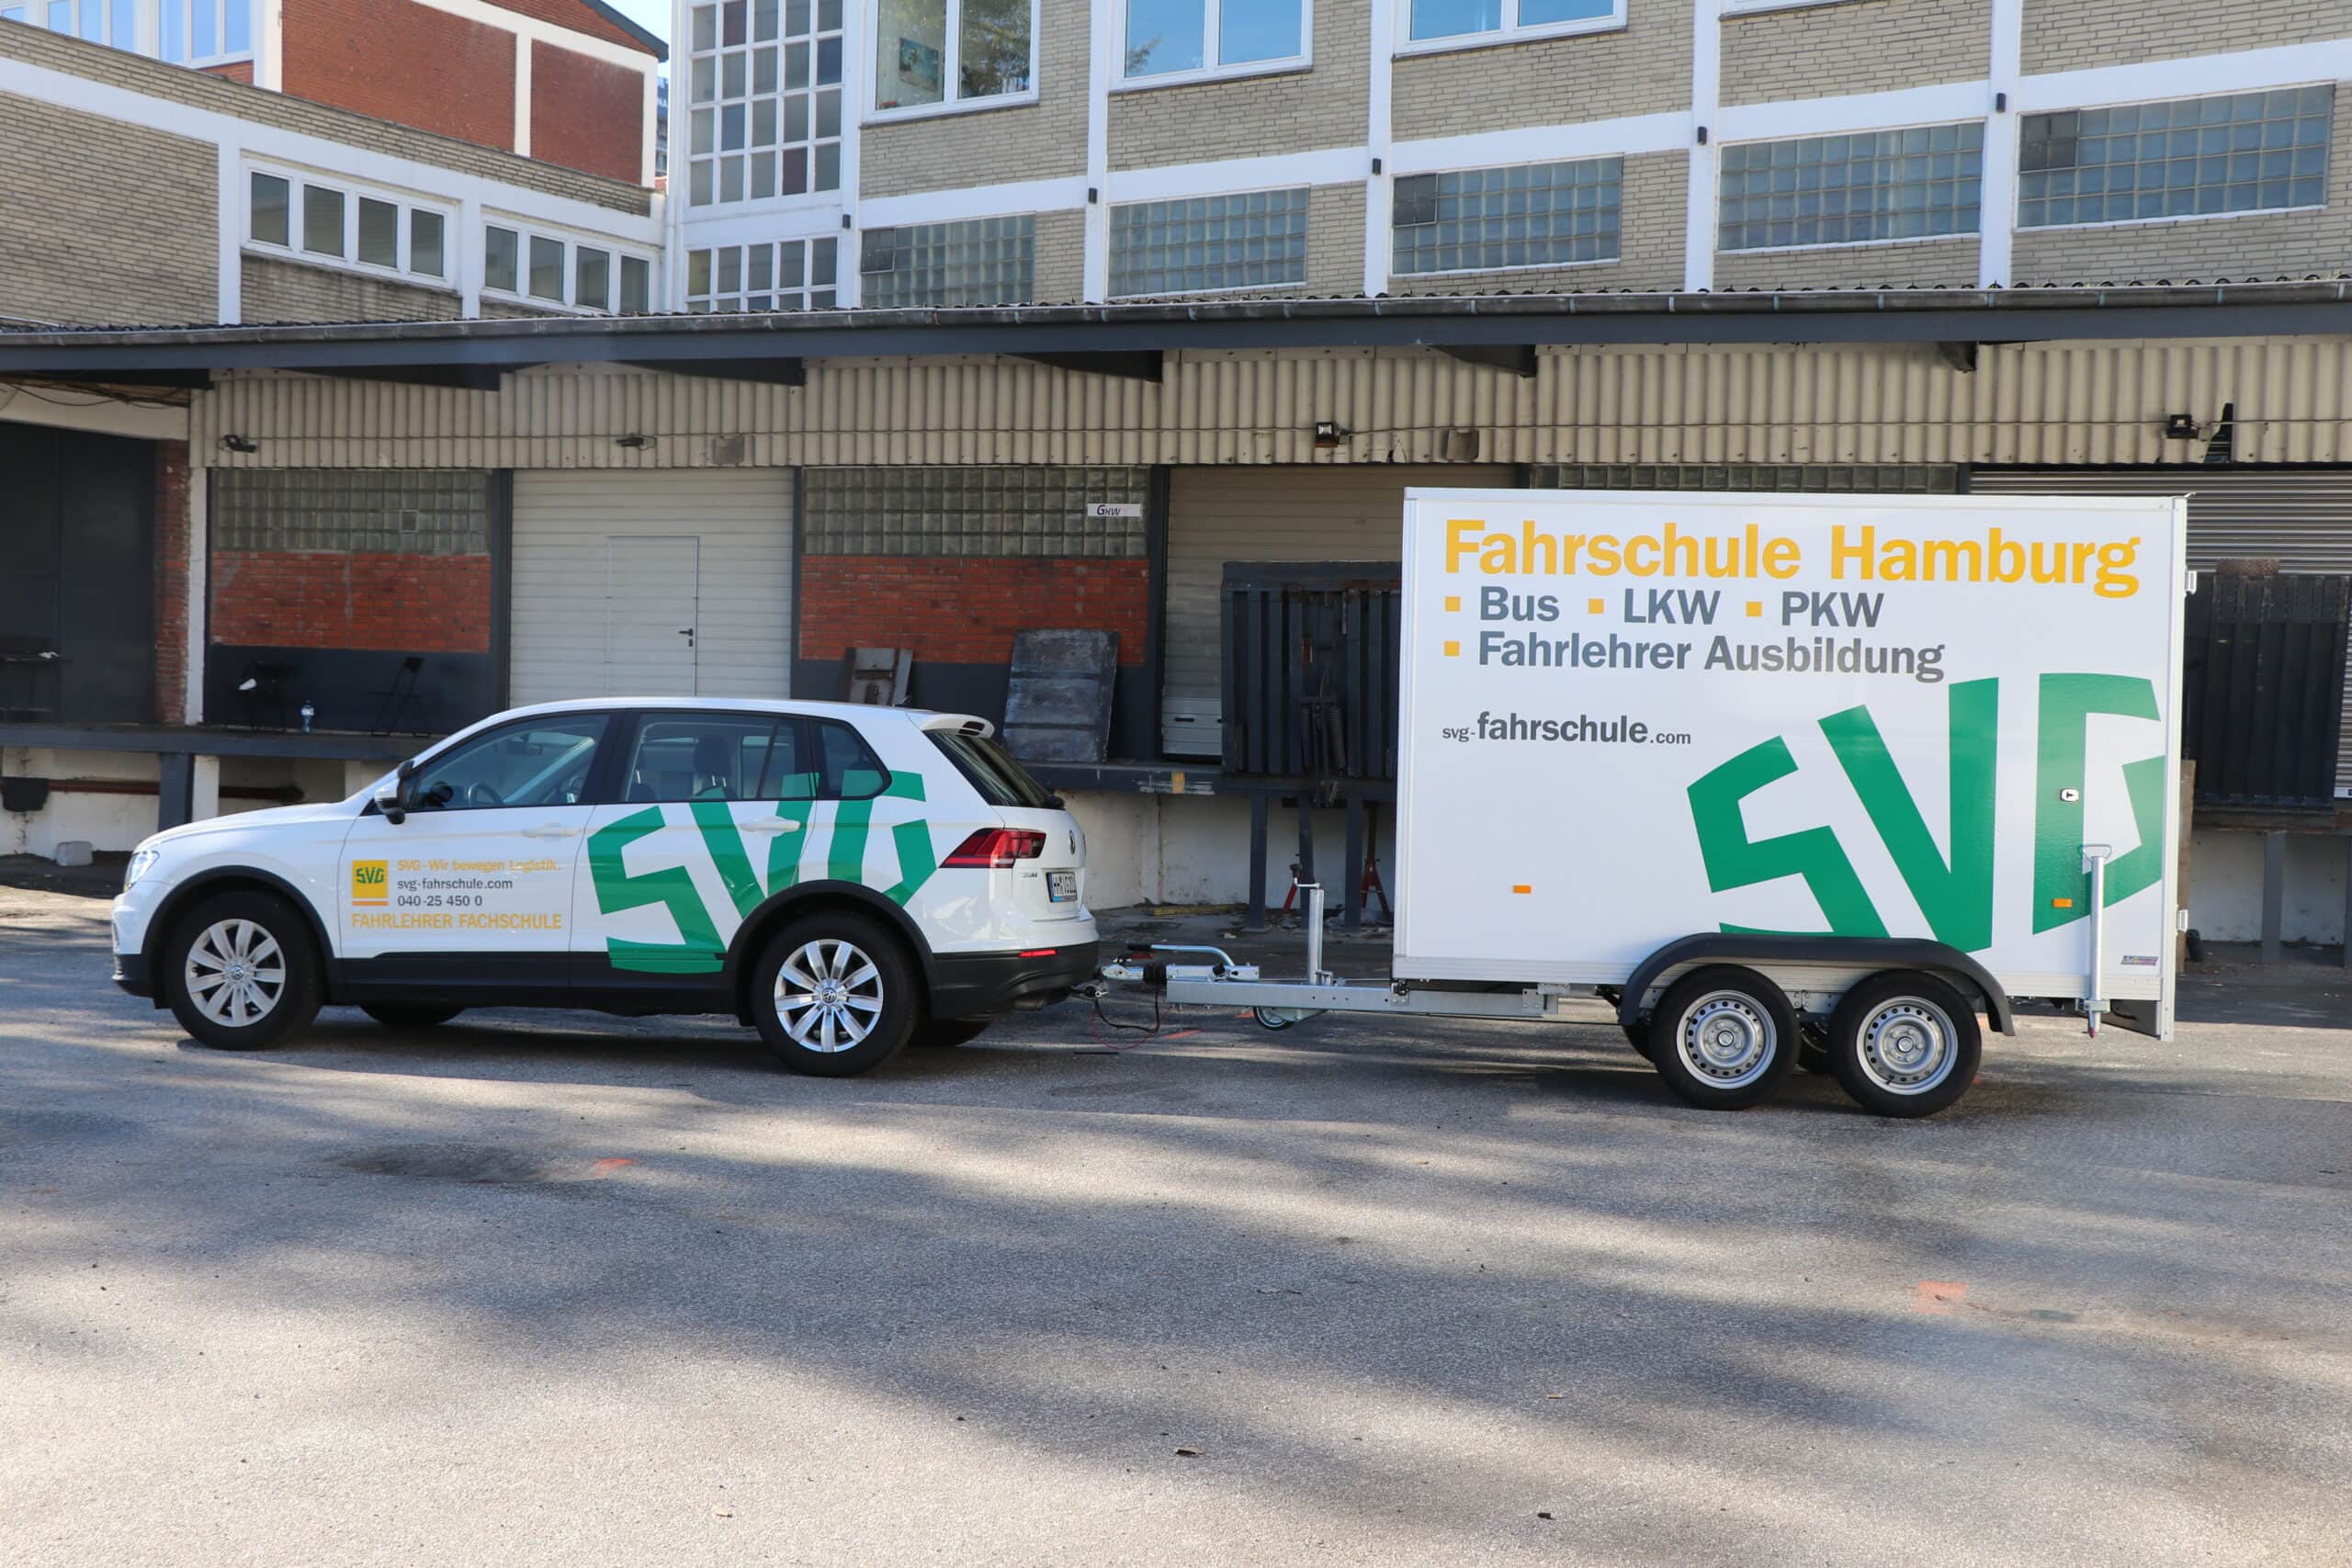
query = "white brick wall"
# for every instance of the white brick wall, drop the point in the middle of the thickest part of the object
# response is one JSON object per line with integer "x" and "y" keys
{"x": 2067, "y": 35}
{"x": 1045, "y": 140}
{"x": 1855, "y": 46}
{"x": 1325, "y": 105}
{"x": 1643, "y": 68}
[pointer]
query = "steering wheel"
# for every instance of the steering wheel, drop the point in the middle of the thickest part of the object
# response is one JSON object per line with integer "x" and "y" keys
{"x": 480, "y": 795}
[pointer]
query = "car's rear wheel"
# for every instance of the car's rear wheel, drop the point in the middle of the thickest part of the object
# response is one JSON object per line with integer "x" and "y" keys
{"x": 240, "y": 973}
{"x": 835, "y": 994}
{"x": 410, "y": 1015}
{"x": 940, "y": 1033}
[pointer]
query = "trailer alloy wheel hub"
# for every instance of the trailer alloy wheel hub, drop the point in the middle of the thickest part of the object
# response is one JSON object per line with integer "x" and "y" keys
{"x": 1907, "y": 1046}
{"x": 1727, "y": 1039}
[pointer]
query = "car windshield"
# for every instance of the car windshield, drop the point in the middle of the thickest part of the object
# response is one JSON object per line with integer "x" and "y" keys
{"x": 991, "y": 770}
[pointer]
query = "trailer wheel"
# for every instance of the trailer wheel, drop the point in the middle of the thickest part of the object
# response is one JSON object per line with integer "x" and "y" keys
{"x": 1637, "y": 1035}
{"x": 1904, "y": 1044}
{"x": 1813, "y": 1049}
{"x": 1723, "y": 1038}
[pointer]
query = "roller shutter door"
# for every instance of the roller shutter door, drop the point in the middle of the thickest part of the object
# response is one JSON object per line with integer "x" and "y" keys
{"x": 1215, "y": 516}
{"x": 2301, "y": 517}
{"x": 611, "y": 568}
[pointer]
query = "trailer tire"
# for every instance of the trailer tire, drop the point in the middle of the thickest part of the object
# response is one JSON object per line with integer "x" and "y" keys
{"x": 1813, "y": 1049}
{"x": 1904, "y": 1044}
{"x": 1637, "y": 1035}
{"x": 1723, "y": 1038}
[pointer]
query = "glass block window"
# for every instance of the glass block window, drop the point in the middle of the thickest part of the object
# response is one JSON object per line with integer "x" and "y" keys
{"x": 1803, "y": 479}
{"x": 2243, "y": 153}
{"x": 1252, "y": 241}
{"x": 416, "y": 512}
{"x": 987, "y": 261}
{"x": 974, "y": 511}
{"x": 1532, "y": 215}
{"x": 783, "y": 274}
{"x": 764, "y": 93}
{"x": 1842, "y": 191}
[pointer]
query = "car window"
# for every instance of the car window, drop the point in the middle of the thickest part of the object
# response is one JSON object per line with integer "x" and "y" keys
{"x": 536, "y": 763}
{"x": 847, "y": 768}
{"x": 700, "y": 757}
{"x": 990, "y": 769}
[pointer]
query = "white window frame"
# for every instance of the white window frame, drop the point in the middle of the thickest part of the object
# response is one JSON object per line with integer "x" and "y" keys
{"x": 844, "y": 270}
{"x": 220, "y": 8}
{"x": 681, "y": 90}
{"x": 1509, "y": 32}
{"x": 950, "y": 64}
{"x": 526, "y": 230}
{"x": 1212, "y": 27}
{"x": 352, "y": 191}
{"x": 1749, "y": 7}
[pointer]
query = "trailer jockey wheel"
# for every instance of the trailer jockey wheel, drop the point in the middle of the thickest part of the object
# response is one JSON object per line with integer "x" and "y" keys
{"x": 1723, "y": 1038}
{"x": 1904, "y": 1044}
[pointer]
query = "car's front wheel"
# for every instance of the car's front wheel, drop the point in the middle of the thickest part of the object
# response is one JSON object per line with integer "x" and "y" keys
{"x": 835, "y": 994}
{"x": 240, "y": 973}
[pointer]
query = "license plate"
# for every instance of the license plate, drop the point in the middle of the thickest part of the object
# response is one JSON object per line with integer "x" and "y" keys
{"x": 1062, "y": 886}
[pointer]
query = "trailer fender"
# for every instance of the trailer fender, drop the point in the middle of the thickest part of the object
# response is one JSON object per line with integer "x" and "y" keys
{"x": 1860, "y": 951}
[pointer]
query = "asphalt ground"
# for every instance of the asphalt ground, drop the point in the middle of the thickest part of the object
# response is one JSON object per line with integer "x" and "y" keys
{"x": 560, "y": 1289}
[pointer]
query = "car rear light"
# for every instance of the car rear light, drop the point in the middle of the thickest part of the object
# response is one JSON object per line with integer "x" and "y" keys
{"x": 1039, "y": 952}
{"x": 997, "y": 847}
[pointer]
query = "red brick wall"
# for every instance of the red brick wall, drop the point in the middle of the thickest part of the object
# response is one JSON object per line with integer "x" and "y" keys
{"x": 965, "y": 609}
{"x": 403, "y": 62}
{"x": 587, "y": 114}
{"x": 327, "y": 599}
{"x": 571, "y": 13}
{"x": 171, "y": 580}
{"x": 242, "y": 70}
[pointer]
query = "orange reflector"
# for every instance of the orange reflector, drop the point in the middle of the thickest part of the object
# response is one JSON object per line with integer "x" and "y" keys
{"x": 1522, "y": 887}
{"x": 2062, "y": 903}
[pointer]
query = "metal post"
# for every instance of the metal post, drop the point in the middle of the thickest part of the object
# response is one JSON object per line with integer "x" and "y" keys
{"x": 1314, "y": 931}
{"x": 2273, "y": 895}
{"x": 1306, "y": 841}
{"x": 2347, "y": 903}
{"x": 1351, "y": 869}
{"x": 2094, "y": 858}
{"x": 1259, "y": 805}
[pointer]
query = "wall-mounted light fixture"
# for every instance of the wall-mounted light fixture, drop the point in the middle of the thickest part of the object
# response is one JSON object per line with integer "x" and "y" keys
{"x": 633, "y": 442}
{"x": 240, "y": 444}
{"x": 1329, "y": 432}
{"x": 2182, "y": 427}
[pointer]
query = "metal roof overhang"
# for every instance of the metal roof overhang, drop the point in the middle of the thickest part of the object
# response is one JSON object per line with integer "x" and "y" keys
{"x": 1124, "y": 339}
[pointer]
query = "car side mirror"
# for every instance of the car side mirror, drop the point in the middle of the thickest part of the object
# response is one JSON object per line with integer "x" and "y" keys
{"x": 395, "y": 804}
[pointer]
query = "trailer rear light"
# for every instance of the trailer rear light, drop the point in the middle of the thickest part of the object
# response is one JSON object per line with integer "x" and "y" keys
{"x": 993, "y": 847}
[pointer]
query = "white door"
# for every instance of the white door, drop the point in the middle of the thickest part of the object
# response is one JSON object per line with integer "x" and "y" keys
{"x": 581, "y": 533}
{"x": 651, "y": 613}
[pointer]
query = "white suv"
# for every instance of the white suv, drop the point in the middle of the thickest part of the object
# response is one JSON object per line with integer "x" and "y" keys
{"x": 846, "y": 879}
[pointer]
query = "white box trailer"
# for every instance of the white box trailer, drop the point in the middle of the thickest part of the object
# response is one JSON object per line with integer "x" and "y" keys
{"x": 1778, "y": 775}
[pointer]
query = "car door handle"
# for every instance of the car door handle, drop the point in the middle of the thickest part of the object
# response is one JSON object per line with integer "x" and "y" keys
{"x": 551, "y": 830}
{"x": 772, "y": 827}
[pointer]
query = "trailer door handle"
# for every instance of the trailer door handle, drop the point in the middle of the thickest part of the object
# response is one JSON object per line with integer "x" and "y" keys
{"x": 551, "y": 830}
{"x": 772, "y": 826}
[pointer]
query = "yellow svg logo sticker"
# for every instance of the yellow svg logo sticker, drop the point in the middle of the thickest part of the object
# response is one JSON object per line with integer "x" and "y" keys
{"x": 369, "y": 885}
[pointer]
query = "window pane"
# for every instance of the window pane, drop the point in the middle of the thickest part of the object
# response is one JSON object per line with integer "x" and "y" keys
{"x": 425, "y": 243}
{"x": 172, "y": 37}
{"x": 323, "y": 220}
{"x": 1477, "y": 220}
{"x": 541, "y": 763}
{"x": 1833, "y": 190}
{"x": 593, "y": 284}
{"x": 237, "y": 28}
{"x": 987, "y": 261}
{"x": 272, "y": 199}
{"x": 501, "y": 256}
{"x": 1535, "y": 13}
{"x": 701, "y": 757}
{"x": 123, "y": 28}
{"x": 1253, "y": 29}
{"x": 1169, "y": 35}
{"x": 1454, "y": 19}
{"x": 993, "y": 45}
{"x": 2238, "y": 153}
{"x": 1258, "y": 240}
{"x": 546, "y": 267}
{"x": 202, "y": 37}
{"x": 380, "y": 233}
{"x": 909, "y": 53}
{"x": 637, "y": 285}
{"x": 846, "y": 766}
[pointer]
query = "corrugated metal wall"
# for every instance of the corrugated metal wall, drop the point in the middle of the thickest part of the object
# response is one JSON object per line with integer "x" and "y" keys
{"x": 2077, "y": 403}
{"x": 2304, "y": 520}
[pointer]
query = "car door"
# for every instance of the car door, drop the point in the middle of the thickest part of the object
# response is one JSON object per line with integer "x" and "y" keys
{"x": 473, "y": 890}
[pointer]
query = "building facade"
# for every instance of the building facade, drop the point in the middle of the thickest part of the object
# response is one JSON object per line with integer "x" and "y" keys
{"x": 1832, "y": 246}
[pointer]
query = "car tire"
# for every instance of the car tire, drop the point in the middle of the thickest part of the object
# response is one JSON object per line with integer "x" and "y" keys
{"x": 410, "y": 1015}
{"x": 239, "y": 972}
{"x": 1904, "y": 1044}
{"x": 1723, "y": 1038}
{"x": 944, "y": 1033}
{"x": 835, "y": 994}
